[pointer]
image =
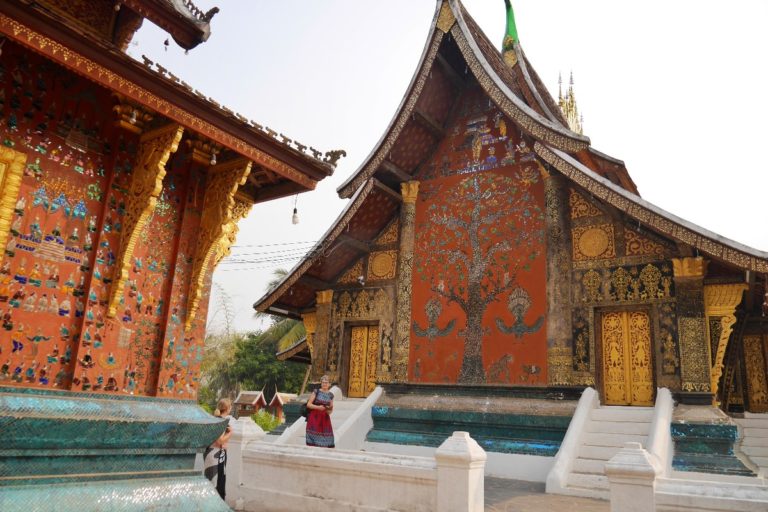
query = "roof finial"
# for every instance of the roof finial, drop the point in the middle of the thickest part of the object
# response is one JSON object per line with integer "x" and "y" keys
{"x": 560, "y": 87}
{"x": 510, "y": 37}
{"x": 569, "y": 107}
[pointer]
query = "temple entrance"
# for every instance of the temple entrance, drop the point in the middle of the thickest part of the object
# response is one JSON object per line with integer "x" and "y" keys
{"x": 363, "y": 353}
{"x": 627, "y": 368}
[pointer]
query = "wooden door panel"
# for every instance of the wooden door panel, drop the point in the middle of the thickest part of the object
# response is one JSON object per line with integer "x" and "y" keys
{"x": 627, "y": 363}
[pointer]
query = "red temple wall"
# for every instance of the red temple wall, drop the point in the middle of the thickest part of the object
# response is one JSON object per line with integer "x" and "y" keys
{"x": 58, "y": 264}
{"x": 479, "y": 296}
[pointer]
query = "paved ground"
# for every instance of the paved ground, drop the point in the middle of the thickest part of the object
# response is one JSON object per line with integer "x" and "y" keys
{"x": 517, "y": 496}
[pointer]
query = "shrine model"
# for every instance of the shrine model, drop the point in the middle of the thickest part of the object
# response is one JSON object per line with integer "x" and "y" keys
{"x": 121, "y": 188}
{"x": 490, "y": 255}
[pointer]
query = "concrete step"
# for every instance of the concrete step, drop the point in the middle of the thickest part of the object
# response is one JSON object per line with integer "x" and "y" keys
{"x": 759, "y": 461}
{"x": 753, "y": 422}
{"x": 603, "y": 453}
{"x": 615, "y": 440}
{"x": 593, "y": 466}
{"x": 755, "y": 451}
{"x": 750, "y": 441}
{"x": 585, "y": 492}
{"x": 755, "y": 432}
{"x": 618, "y": 427}
{"x": 588, "y": 481}
{"x": 623, "y": 414}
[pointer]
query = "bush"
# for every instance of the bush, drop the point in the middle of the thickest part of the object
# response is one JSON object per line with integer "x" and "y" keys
{"x": 265, "y": 420}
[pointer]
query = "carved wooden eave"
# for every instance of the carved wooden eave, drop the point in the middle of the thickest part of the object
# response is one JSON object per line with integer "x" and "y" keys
{"x": 159, "y": 92}
{"x": 187, "y": 24}
{"x": 218, "y": 225}
{"x": 317, "y": 252}
{"x": 661, "y": 221}
{"x": 449, "y": 22}
{"x": 298, "y": 352}
{"x": 155, "y": 148}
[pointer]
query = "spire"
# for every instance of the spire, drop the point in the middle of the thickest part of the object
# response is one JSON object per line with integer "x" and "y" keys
{"x": 510, "y": 37}
{"x": 569, "y": 107}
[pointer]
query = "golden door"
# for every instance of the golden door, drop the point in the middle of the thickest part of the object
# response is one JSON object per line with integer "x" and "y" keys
{"x": 364, "y": 350}
{"x": 627, "y": 368}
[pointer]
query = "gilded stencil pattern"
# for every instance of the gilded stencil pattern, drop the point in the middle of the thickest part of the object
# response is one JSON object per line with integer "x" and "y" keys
{"x": 580, "y": 207}
{"x": 670, "y": 363}
{"x": 694, "y": 356}
{"x": 404, "y": 284}
{"x": 637, "y": 245}
{"x": 581, "y": 341}
{"x": 352, "y": 275}
{"x": 357, "y": 359}
{"x": 389, "y": 235}
{"x": 593, "y": 242}
{"x": 757, "y": 387}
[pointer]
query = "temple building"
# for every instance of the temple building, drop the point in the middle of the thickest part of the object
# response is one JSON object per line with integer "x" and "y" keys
{"x": 488, "y": 250}
{"x": 121, "y": 188}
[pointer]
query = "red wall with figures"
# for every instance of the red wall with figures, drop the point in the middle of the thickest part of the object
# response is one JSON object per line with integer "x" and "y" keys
{"x": 479, "y": 270}
{"x": 59, "y": 262}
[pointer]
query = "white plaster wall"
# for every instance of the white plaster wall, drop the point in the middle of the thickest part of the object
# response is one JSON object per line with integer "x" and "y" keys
{"x": 530, "y": 468}
{"x": 289, "y": 478}
{"x": 351, "y": 435}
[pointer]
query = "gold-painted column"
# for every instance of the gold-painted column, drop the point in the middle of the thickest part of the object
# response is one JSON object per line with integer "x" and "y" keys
{"x": 410, "y": 191}
{"x": 155, "y": 148}
{"x": 310, "y": 327}
{"x": 695, "y": 362}
{"x": 322, "y": 331}
{"x": 720, "y": 301}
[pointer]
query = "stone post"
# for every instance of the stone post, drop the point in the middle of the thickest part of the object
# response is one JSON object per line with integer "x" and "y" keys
{"x": 632, "y": 480}
{"x": 244, "y": 431}
{"x": 320, "y": 338}
{"x": 410, "y": 191}
{"x": 460, "y": 474}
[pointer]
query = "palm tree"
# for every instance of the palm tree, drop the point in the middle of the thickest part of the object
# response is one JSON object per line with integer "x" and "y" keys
{"x": 283, "y": 332}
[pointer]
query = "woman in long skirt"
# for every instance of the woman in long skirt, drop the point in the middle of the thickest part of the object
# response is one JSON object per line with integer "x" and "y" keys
{"x": 320, "y": 405}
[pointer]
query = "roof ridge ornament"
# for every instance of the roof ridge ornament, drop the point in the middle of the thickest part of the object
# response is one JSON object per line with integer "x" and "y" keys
{"x": 446, "y": 19}
{"x": 511, "y": 38}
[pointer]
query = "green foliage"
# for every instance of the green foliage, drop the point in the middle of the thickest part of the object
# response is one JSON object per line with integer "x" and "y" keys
{"x": 265, "y": 420}
{"x": 234, "y": 361}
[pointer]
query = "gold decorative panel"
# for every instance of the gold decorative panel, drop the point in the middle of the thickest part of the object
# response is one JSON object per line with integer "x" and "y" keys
{"x": 580, "y": 207}
{"x": 627, "y": 367}
{"x": 390, "y": 234}
{"x": 382, "y": 265}
{"x": 11, "y": 171}
{"x": 757, "y": 387}
{"x": 638, "y": 245}
{"x": 364, "y": 349}
{"x": 593, "y": 242}
{"x": 352, "y": 275}
{"x": 689, "y": 267}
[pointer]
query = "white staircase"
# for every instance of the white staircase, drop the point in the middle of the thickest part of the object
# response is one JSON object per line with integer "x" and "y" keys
{"x": 754, "y": 440}
{"x": 605, "y": 432}
{"x": 342, "y": 410}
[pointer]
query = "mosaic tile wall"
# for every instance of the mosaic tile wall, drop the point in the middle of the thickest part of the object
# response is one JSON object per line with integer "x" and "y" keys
{"x": 58, "y": 264}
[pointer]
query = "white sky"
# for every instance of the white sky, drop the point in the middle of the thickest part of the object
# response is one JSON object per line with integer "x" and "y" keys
{"x": 676, "y": 89}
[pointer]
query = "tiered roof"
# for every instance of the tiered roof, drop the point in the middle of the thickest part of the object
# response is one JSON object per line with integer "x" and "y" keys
{"x": 457, "y": 54}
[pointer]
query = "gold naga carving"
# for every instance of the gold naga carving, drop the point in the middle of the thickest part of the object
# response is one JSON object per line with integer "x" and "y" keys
{"x": 720, "y": 300}
{"x": 11, "y": 171}
{"x": 218, "y": 224}
{"x": 155, "y": 148}
{"x": 239, "y": 211}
